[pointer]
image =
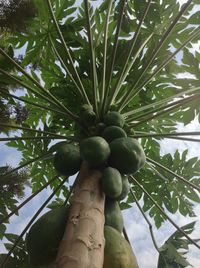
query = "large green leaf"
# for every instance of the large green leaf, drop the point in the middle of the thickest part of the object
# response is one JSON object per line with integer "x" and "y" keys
{"x": 174, "y": 250}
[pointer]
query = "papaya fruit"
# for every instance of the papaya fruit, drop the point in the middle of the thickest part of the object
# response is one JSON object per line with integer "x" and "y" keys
{"x": 67, "y": 159}
{"x": 88, "y": 118}
{"x": 95, "y": 150}
{"x": 113, "y": 215}
{"x": 111, "y": 182}
{"x": 87, "y": 115}
{"x": 117, "y": 251}
{"x": 113, "y": 132}
{"x": 44, "y": 236}
{"x": 57, "y": 146}
{"x": 114, "y": 119}
{"x": 125, "y": 188}
{"x": 127, "y": 155}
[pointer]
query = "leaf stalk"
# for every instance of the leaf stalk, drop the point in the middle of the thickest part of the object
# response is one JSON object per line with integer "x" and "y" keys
{"x": 147, "y": 220}
{"x": 66, "y": 49}
{"x": 163, "y": 212}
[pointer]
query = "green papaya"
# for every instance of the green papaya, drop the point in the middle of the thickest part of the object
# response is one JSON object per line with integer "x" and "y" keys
{"x": 114, "y": 119}
{"x": 111, "y": 182}
{"x": 113, "y": 132}
{"x": 87, "y": 115}
{"x": 88, "y": 118}
{"x": 95, "y": 150}
{"x": 57, "y": 146}
{"x": 43, "y": 239}
{"x": 117, "y": 251}
{"x": 113, "y": 215}
{"x": 127, "y": 155}
{"x": 67, "y": 160}
{"x": 125, "y": 188}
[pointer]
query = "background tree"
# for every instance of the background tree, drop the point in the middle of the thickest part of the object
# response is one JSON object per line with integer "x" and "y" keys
{"x": 14, "y": 14}
{"x": 132, "y": 56}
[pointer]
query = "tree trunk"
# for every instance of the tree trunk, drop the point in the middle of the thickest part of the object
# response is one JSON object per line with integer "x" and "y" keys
{"x": 82, "y": 245}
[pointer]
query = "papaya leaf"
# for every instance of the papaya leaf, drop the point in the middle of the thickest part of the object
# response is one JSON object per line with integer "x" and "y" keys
{"x": 174, "y": 250}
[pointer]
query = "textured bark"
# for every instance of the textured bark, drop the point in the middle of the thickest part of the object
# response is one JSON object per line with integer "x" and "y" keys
{"x": 82, "y": 245}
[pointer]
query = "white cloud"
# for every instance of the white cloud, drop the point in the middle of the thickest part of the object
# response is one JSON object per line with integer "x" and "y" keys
{"x": 185, "y": 75}
{"x": 170, "y": 146}
{"x": 182, "y": 1}
{"x": 9, "y": 155}
{"x": 195, "y": 47}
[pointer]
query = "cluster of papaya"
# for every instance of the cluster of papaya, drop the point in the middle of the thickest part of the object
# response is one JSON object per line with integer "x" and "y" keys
{"x": 105, "y": 146}
{"x": 102, "y": 145}
{"x": 108, "y": 149}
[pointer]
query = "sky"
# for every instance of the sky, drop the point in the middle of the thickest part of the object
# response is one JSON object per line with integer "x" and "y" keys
{"x": 135, "y": 224}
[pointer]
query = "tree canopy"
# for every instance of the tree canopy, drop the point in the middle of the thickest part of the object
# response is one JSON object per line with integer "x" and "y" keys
{"x": 136, "y": 57}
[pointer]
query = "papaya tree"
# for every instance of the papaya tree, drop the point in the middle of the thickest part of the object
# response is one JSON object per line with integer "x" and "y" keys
{"x": 98, "y": 85}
